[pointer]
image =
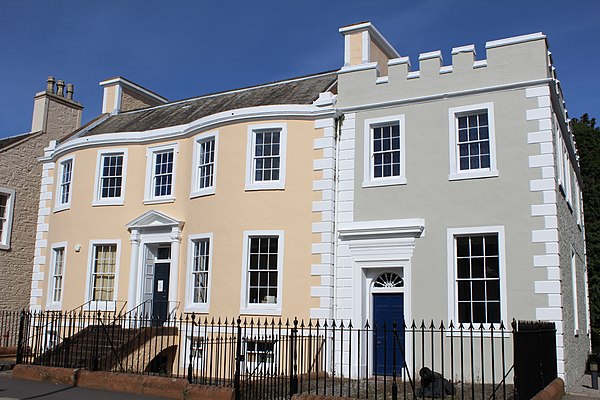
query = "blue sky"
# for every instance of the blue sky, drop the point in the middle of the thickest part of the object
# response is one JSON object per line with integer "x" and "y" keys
{"x": 183, "y": 48}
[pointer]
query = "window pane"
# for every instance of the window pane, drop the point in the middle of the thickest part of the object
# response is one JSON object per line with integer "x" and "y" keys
{"x": 473, "y": 142}
{"x": 479, "y": 312}
{"x": 464, "y": 312}
{"x": 263, "y": 270}
{"x": 493, "y": 312}
{"x": 462, "y": 246}
{"x": 386, "y": 151}
{"x": 110, "y": 180}
{"x": 478, "y": 294}
{"x": 477, "y": 267}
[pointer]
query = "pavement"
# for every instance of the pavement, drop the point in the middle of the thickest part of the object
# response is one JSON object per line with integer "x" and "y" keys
{"x": 20, "y": 389}
{"x": 581, "y": 390}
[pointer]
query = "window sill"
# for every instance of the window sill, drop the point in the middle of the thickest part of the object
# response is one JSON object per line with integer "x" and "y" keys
{"x": 54, "y": 307}
{"x": 4, "y": 246}
{"x": 198, "y": 308}
{"x": 473, "y": 175}
{"x": 476, "y": 331}
{"x": 202, "y": 193}
{"x": 254, "y": 310}
{"x": 276, "y": 185}
{"x": 102, "y": 203}
{"x": 62, "y": 207}
{"x": 384, "y": 182}
{"x": 101, "y": 306}
{"x": 169, "y": 199}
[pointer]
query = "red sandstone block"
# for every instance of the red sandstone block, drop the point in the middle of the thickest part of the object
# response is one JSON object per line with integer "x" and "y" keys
{"x": 171, "y": 388}
{"x": 200, "y": 392}
{"x": 8, "y": 351}
{"x": 37, "y": 373}
{"x": 116, "y": 382}
{"x": 554, "y": 391}
{"x": 316, "y": 397}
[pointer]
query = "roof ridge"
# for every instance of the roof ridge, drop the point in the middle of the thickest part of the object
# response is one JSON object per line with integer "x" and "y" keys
{"x": 225, "y": 92}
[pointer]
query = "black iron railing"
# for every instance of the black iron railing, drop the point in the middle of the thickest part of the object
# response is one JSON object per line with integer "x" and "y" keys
{"x": 276, "y": 358}
{"x": 9, "y": 328}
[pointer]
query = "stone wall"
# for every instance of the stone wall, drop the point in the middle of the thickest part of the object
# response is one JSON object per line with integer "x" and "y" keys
{"x": 20, "y": 170}
{"x": 576, "y": 344}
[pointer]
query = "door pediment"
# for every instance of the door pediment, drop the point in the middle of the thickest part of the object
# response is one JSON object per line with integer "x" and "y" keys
{"x": 154, "y": 219}
{"x": 381, "y": 240}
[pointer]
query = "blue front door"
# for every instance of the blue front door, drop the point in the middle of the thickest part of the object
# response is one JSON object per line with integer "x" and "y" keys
{"x": 387, "y": 309}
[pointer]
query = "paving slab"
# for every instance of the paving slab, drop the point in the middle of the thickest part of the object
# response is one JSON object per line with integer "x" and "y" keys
{"x": 582, "y": 389}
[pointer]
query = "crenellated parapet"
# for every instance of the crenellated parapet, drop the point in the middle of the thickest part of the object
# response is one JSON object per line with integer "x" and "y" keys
{"x": 372, "y": 67}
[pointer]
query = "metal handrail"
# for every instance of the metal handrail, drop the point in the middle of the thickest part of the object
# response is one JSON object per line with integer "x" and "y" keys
{"x": 89, "y": 308}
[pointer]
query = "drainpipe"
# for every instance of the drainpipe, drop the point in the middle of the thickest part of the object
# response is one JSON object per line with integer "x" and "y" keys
{"x": 338, "y": 134}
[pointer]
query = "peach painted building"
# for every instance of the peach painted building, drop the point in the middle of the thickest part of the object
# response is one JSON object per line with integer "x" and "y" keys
{"x": 203, "y": 205}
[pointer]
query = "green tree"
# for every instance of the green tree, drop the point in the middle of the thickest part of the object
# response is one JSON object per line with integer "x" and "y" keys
{"x": 587, "y": 136}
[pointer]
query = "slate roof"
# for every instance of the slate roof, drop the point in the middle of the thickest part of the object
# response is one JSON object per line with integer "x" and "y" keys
{"x": 14, "y": 139}
{"x": 302, "y": 90}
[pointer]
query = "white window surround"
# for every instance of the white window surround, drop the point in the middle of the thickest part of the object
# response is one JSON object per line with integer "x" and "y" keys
{"x": 574, "y": 290}
{"x": 577, "y": 200}
{"x": 198, "y": 140}
{"x": 453, "y": 114}
{"x": 190, "y": 306}
{"x": 452, "y": 233}
{"x": 149, "y": 197}
{"x": 279, "y": 184}
{"x": 566, "y": 187}
{"x": 113, "y": 201}
{"x": 108, "y": 305}
{"x": 368, "y": 179}
{"x": 58, "y": 204}
{"x": 8, "y": 218}
{"x": 50, "y": 303}
{"x": 267, "y": 308}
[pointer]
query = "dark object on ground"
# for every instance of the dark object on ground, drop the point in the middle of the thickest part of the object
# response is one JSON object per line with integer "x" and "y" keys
{"x": 433, "y": 384}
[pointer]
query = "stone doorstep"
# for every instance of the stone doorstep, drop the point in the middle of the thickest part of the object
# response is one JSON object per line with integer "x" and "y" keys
{"x": 156, "y": 386}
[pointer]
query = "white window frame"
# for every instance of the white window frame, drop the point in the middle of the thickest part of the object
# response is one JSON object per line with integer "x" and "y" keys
{"x": 5, "y": 235}
{"x": 369, "y": 179}
{"x": 559, "y": 152}
{"x": 197, "y": 362}
{"x": 262, "y": 308}
{"x": 255, "y": 366}
{"x": 51, "y": 304}
{"x": 196, "y": 191}
{"x": 108, "y": 305}
{"x": 59, "y": 205}
{"x": 452, "y": 233}
{"x": 109, "y": 201}
{"x": 567, "y": 188}
{"x": 574, "y": 294}
{"x": 149, "y": 197}
{"x": 578, "y": 202}
{"x": 190, "y": 306}
{"x": 453, "y": 114}
{"x": 279, "y": 184}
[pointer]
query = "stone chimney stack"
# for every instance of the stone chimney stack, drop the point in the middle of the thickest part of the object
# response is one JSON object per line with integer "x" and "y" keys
{"x": 53, "y": 112}
{"x": 363, "y": 44}
{"x": 121, "y": 94}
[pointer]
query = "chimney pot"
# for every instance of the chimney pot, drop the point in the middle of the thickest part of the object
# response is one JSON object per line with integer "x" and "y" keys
{"x": 70, "y": 90}
{"x": 50, "y": 86}
{"x": 60, "y": 85}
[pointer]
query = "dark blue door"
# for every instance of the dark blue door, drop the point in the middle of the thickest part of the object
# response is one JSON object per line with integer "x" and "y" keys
{"x": 387, "y": 309}
{"x": 160, "y": 297}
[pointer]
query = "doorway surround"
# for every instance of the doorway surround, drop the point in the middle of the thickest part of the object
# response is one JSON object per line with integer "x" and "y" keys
{"x": 376, "y": 247}
{"x": 153, "y": 227}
